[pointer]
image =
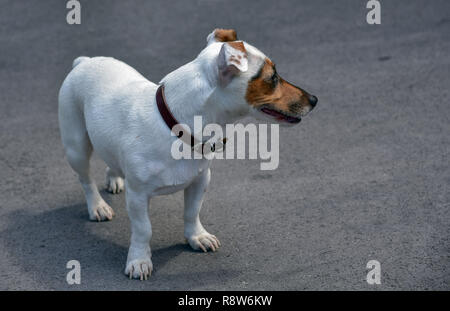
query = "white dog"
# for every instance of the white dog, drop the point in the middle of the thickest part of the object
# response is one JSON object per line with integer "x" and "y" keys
{"x": 107, "y": 106}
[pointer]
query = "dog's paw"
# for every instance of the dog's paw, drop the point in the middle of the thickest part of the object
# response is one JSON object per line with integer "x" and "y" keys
{"x": 204, "y": 242}
{"x": 139, "y": 269}
{"x": 101, "y": 212}
{"x": 114, "y": 184}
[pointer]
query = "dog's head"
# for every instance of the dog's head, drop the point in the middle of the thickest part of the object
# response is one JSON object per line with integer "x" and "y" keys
{"x": 246, "y": 72}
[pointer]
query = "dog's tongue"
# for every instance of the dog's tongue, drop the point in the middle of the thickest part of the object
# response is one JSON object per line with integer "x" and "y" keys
{"x": 280, "y": 116}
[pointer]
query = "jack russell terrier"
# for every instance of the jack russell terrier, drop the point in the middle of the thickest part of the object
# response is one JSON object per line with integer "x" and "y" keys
{"x": 107, "y": 106}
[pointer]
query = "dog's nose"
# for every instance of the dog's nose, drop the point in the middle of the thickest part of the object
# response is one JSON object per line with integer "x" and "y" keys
{"x": 313, "y": 100}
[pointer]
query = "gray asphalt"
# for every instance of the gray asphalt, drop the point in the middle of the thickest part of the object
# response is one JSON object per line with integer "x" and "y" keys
{"x": 365, "y": 176}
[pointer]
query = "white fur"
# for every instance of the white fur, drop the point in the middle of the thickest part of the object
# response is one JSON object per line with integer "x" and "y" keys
{"x": 108, "y": 106}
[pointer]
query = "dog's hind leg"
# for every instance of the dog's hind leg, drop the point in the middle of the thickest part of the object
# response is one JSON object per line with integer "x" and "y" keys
{"x": 78, "y": 149}
{"x": 79, "y": 152}
{"x": 114, "y": 183}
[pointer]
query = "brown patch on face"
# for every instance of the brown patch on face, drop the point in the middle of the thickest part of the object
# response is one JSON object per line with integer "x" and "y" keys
{"x": 268, "y": 89}
{"x": 225, "y": 35}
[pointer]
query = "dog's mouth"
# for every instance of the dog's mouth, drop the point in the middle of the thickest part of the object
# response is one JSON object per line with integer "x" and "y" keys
{"x": 280, "y": 116}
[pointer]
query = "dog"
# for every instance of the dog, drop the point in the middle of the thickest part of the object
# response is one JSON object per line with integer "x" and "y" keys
{"x": 107, "y": 106}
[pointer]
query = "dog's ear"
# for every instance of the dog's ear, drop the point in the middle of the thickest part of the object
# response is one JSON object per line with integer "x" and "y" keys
{"x": 221, "y": 35}
{"x": 231, "y": 61}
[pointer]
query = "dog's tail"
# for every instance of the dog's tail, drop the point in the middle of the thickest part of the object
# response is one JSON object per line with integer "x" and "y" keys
{"x": 79, "y": 60}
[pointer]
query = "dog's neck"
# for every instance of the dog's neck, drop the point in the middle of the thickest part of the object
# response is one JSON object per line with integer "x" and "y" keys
{"x": 189, "y": 93}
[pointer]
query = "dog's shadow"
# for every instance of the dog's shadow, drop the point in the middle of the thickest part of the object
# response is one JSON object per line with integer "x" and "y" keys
{"x": 42, "y": 243}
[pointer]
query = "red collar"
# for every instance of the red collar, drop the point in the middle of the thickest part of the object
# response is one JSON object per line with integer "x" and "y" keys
{"x": 170, "y": 121}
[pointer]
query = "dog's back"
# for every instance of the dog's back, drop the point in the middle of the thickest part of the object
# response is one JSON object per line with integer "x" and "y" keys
{"x": 97, "y": 76}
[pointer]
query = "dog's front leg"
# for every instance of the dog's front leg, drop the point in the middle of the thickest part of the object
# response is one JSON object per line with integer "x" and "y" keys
{"x": 139, "y": 264}
{"x": 194, "y": 232}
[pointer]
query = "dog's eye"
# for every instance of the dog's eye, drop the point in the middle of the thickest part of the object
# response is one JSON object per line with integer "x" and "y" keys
{"x": 274, "y": 79}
